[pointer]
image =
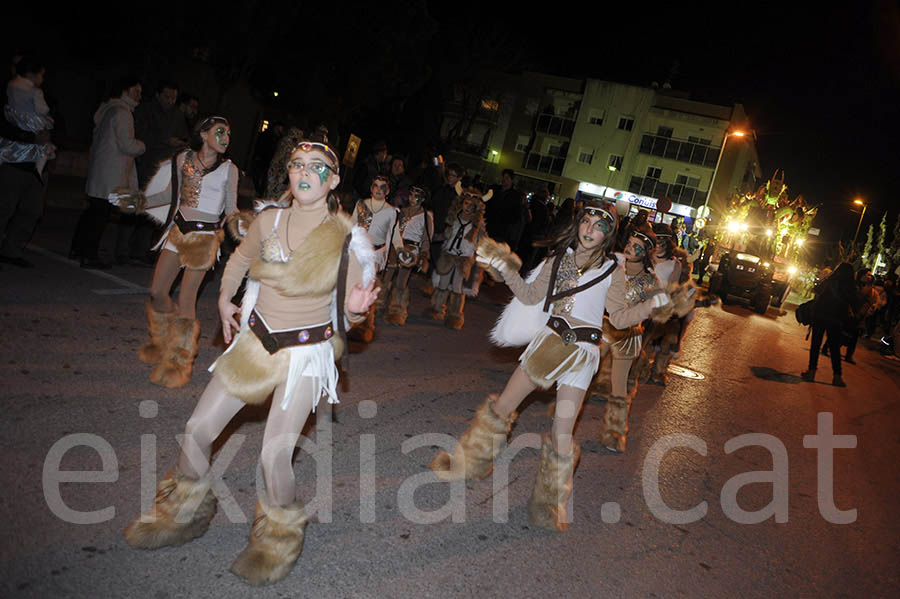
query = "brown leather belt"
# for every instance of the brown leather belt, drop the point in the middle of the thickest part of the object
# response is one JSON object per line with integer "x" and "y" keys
{"x": 187, "y": 226}
{"x": 572, "y": 335}
{"x": 282, "y": 339}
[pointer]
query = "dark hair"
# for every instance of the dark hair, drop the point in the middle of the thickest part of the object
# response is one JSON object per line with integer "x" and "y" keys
{"x": 122, "y": 85}
{"x": 456, "y": 168}
{"x": 508, "y": 171}
{"x": 29, "y": 64}
{"x": 567, "y": 237}
{"x": 332, "y": 201}
{"x": 196, "y": 142}
{"x": 164, "y": 84}
{"x": 185, "y": 98}
{"x": 664, "y": 239}
{"x": 379, "y": 146}
{"x": 645, "y": 230}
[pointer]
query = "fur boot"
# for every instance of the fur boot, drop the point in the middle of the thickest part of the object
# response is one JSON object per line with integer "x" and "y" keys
{"x": 660, "y": 376}
{"x": 364, "y": 331}
{"x": 183, "y": 510}
{"x": 158, "y": 323}
{"x": 438, "y": 308}
{"x": 615, "y": 423}
{"x": 475, "y": 452}
{"x": 177, "y": 364}
{"x": 640, "y": 370}
{"x": 455, "y": 317}
{"x": 276, "y": 541}
{"x": 398, "y": 309}
{"x": 552, "y": 487}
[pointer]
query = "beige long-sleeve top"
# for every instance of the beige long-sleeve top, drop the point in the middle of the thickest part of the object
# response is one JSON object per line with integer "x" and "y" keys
{"x": 621, "y": 315}
{"x": 280, "y": 311}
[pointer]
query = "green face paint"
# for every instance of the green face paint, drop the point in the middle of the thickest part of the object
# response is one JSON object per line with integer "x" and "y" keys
{"x": 222, "y": 136}
{"x": 323, "y": 173}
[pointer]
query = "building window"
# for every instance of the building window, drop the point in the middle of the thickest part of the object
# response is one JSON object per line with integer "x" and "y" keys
{"x": 554, "y": 150}
{"x": 665, "y": 132}
{"x": 615, "y": 161}
{"x": 654, "y": 172}
{"x": 585, "y": 156}
{"x": 596, "y": 116}
{"x": 687, "y": 181}
{"x": 699, "y": 140}
{"x": 492, "y": 105}
{"x": 522, "y": 143}
{"x": 626, "y": 123}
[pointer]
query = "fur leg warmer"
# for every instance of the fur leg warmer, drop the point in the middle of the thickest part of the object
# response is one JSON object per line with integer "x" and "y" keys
{"x": 552, "y": 487}
{"x": 438, "y": 308}
{"x": 660, "y": 368}
{"x": 183, "y": 510}
{"x": 158, "y": 323}
{"x": 475, "y": 452}
{"x": 397, "y": 311}
{"x": 365, "y": 330}
{"x": 455, "y": 305}
{"x": 614, "y": 429}
{"x": 276, "y": 541}
{"x": 177, "y": 364}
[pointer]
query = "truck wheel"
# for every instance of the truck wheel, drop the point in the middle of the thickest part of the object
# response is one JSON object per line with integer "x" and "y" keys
{"x": 761, "y": 303}
{"x": 717, "y": 286}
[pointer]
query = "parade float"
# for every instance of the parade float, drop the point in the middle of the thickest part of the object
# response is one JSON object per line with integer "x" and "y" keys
{"x": 759, "y": 243}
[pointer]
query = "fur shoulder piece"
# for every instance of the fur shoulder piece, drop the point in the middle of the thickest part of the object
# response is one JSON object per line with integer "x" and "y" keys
{"x": 313, "y": 267}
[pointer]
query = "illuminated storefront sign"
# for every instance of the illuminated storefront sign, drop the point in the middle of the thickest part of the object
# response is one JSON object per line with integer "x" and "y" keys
{"x": 611, "y": 193}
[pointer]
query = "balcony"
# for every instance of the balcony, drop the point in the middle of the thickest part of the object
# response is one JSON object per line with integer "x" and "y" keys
{"x": 682, "y": 151}
{"x": 679, "y": 194}
{"x": 541, "y": 163}
{"x": 554, "y": 125}
{"x": 478, "y": 150}
{"x": 459, "y": 110}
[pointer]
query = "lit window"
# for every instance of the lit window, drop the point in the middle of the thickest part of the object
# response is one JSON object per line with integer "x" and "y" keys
{"x": 492, "y": 105}
{"x": 264, "y": 126}
{"x": 626, "y": 123}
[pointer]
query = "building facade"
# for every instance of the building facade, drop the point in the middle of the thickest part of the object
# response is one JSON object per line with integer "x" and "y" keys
{"x": 622, "y": 142}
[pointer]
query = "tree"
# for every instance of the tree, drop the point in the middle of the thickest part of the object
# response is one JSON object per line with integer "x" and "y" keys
{"x": 882, "y": 246}
{"x": 868, "y": 254}
{"x": 892, "y": 256}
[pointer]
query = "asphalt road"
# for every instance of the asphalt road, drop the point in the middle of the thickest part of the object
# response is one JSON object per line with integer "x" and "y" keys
{"x": 76, "y": 396}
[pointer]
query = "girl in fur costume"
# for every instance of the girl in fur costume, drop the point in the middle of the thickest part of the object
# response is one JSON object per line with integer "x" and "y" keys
{"x": 202, "y": 185}
{"x": 453, "y": 272}
{"x": 301, "y": 258}
{"x": 558, "y": 312}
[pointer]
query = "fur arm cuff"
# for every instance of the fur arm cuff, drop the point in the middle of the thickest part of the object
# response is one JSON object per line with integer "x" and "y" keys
{"x": 238, "y": 223}
{"x": 496, "y": 258}
{"x": 127, "y": 200}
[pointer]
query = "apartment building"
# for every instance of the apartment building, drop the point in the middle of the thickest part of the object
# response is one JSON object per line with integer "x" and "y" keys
{"x": 622, "y": 142}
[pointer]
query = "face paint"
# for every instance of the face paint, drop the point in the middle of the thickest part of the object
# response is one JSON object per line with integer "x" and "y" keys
{"x": 638, "y": 249}
{"x": 317, "y": 167}
{"x": 223, "y": 136}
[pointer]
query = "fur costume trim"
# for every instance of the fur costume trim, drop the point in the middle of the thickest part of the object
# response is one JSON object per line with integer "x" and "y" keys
{"x": 158, "y": 323}
{"x": 447, "y": 262}
{"x": 547, "y": 358}
{"x": 473, "y": 457}
{"x": 249, "y": 372}
{"x": 276, "y": 541}
{"x": 519, "y": 323}
{"x": 182, "y": 511}
{"x": 624, "y": 344}
{"x": 614, "y": 433}
{"x": 491, "y": 250}
{"x": 362, "y": 248}
{"x": 312, "y": 268}
{"x": 197, "y": 251}
{"x": 552, "y": 487}
{"x": 238, "y": 223}
{"x": 177, "y": 364}
{"x": 127, "y": 200}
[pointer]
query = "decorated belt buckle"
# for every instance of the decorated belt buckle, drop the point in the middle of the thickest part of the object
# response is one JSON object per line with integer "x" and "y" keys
{"x": 303, "y": 336}
{"x": 569, "y": 337}
{"x": 270, "y": 344}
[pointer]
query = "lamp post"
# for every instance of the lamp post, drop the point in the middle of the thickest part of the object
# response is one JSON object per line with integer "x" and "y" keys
{"x": 718, "y": 162}
{"x": 859, "y": 202}
{"x": 612, "y": 169}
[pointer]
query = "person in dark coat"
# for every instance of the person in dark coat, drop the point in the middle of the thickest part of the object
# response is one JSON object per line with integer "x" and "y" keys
{"x": 835, "y": 299}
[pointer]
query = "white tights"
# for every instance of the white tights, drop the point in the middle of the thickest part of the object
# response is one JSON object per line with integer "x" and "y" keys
{"x": 214, "y": 411}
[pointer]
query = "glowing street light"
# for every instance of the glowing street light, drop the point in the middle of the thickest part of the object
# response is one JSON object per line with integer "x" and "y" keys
{"x": 612, "y": 168}
{"x": 859, "y": 202}
{"x": 719, "y": 161}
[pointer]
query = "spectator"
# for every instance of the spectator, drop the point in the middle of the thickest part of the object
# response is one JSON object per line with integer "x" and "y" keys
{"x": 155, "y": 125}
{"x": 835, "y": 297}
{"x": 21, "y": 185}
{"x": 537, "y": 229}
{"x": 374, "y": 164}
{"x": 110, "y": 166}
{"x": 187, "y": 107}
{"x": 399, "y": 181}
{"x": 266, "y": 144}
{"x": 442, "y": 199}
{"x": 506, "y": 212}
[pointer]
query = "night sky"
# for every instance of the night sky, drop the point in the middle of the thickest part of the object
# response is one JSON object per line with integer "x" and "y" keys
{"x": 816, "y": 82}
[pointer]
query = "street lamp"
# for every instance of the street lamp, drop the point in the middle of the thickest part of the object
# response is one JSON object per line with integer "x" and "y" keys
{"x": 859, "y": 202}
{"x": 718, "y": 162}
{"x": 612, "y": 168}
